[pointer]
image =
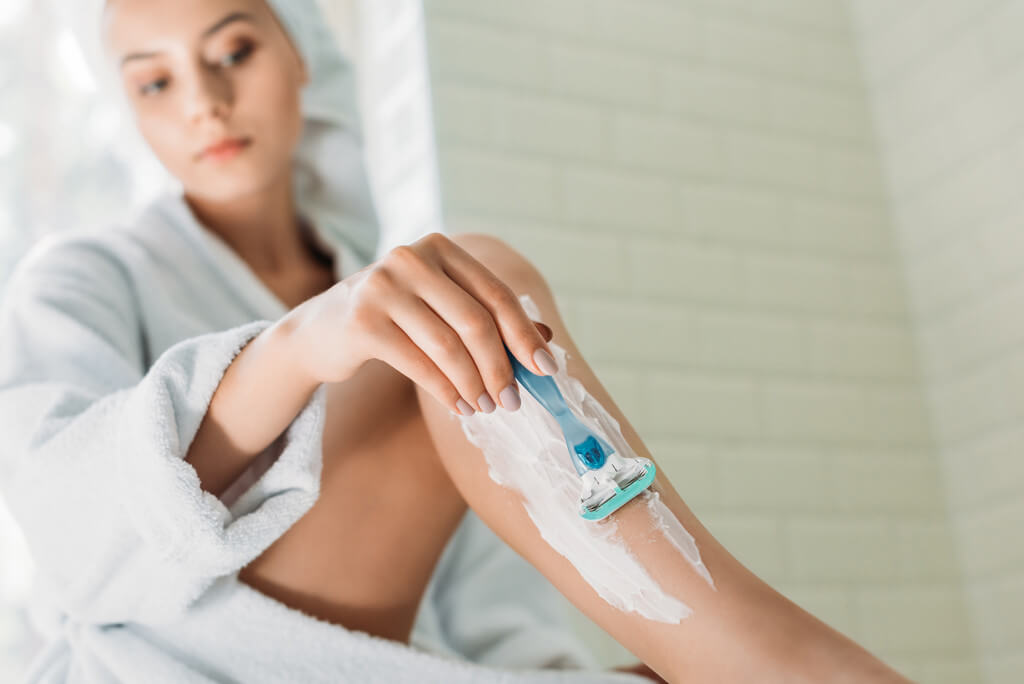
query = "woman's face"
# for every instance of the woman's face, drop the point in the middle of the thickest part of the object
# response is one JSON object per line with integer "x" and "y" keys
{"x": 215, "y": 87}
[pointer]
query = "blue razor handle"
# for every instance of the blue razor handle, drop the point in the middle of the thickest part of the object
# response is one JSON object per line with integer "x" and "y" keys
{"x": 588, "y": 451}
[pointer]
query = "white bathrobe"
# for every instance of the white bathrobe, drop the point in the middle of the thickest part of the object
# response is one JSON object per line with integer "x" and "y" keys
{"x": 112, "y": 343}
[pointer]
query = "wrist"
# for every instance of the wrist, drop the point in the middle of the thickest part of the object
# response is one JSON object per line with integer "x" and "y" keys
{"x": 290, "y": 338}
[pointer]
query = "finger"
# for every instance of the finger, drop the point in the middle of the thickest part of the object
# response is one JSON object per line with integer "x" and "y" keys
{"x": 405, "y": 356}
{"x": 478, "y": 330}
{"x": 446, "y": 347}
{"x": 469, "y": 319}
{"x": 514, "y": 325}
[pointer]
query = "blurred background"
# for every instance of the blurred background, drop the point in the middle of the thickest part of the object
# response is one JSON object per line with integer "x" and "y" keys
{"x": 789, "y": 235}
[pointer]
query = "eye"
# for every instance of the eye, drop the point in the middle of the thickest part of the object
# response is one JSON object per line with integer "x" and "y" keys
{"x": 238, "y": 56}
{"x": 153, "y": 87}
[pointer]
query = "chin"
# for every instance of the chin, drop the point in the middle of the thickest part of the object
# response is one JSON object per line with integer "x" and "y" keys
{"x": 233, "y": 183}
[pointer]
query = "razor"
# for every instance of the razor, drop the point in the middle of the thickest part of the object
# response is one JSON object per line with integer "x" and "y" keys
{"x": 608, "y": 481}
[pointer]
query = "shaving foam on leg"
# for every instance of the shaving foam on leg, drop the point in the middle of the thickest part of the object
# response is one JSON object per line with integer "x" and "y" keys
{"x": 526, "y": 452}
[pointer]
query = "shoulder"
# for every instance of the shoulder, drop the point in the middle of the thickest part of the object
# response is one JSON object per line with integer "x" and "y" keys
{"x": 90, "y": 259}
{"x": 81, "y": 259}
{"x": 89, "y": 274}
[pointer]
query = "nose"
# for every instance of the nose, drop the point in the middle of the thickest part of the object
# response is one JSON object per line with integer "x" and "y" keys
{"x": 210, "y": 96}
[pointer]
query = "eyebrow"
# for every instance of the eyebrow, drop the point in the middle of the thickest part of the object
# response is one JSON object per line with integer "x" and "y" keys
{"x": 229, "y": 19}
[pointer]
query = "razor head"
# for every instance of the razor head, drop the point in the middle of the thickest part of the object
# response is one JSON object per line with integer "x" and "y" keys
{"x": 630, "y": 478}
{"x": 610, "y": 494}
{"x": 594, "y": 503}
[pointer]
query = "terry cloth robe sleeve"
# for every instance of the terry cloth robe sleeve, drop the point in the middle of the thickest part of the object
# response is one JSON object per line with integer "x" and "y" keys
{"x": 93, "y": 462}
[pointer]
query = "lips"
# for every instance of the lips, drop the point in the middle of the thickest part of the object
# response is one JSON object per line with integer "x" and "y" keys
{"x": 224, "y": 149}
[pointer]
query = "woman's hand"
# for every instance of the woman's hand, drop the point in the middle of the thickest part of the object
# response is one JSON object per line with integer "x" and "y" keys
{"x": 435, "y": 314}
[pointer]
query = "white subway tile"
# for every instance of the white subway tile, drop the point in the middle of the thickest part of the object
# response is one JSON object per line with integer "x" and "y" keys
{"x": 653, "y": 26}
{"x": 685, "y": 404}
{"x": 611, "y": 78}
{"x": 634, "y": 331}
{"x": 987, "y": 468}
{"x": 774, "y": 161}
{"x": 883, "y": 480}
{"x": 926, "y": 548}
{"x": 497, "y": 184}
{"x": 572, "y": 260}
{"x": 820, "y": 411}
{"x": 802, "y": 108}
{"x": 751, "y": 342}
{"x": 666, "y": 144}
{"x": 462, "y": 114}
{"x": 715, "y": 94}
{"x": 741, "y": 216}
{"x": 627, "y": 202}
{"x": 549, "y": 126}
{"x": 685, "y": 272}
{"x": 459, "y": 50}
{"x": 832, "y": 549}
{"x": 990, "y": 538}
{"x": 922, "y": 617}
{"x": 774, "y": 479}
{"x": 565, "y": 17}
{"x": 867, "y": 350}
{"x": 795, "y": 283}
{"x": 1000, "y": 603}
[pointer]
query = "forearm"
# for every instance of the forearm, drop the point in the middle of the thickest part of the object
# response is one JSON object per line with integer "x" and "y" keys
{"x": 260, "y": 394}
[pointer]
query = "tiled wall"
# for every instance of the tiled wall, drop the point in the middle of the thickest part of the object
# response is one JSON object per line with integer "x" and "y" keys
{"x": 946, "y": 81}
{"x": 700, "y": 183}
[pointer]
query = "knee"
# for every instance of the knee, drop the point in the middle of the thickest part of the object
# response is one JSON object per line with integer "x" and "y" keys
{"x": 510, "y": 265}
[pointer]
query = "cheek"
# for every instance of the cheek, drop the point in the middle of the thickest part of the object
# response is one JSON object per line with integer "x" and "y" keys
{"x": 273, "y": 96}
{"x": 166, "y": 135}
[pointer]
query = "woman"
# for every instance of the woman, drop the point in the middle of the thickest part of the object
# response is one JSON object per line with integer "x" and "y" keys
{"x": 233, "y": 449}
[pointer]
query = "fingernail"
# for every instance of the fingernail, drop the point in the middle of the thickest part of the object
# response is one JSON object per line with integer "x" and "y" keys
{"x": 464, "y": 407}
{"x": 510, "y": 398}
{"x": 485, "y": 403}
{"x": 545, "y": 362}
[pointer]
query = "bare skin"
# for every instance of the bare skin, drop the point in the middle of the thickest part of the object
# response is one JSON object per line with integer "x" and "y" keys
{"x": 374, "y": 433}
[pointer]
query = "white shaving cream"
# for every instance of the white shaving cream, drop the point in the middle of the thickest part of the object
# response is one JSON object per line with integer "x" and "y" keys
{"x": 526, "y": 452}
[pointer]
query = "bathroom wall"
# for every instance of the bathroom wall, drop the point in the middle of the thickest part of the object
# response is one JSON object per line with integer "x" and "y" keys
{"x": 700, "y": 183}
{"x": 945, "y": 79}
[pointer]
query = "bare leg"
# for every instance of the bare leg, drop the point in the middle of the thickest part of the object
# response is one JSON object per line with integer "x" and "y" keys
{"x": 743, "y": 631}
{"x": 364, "y": 553}
{"x": 382, "y": 429}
